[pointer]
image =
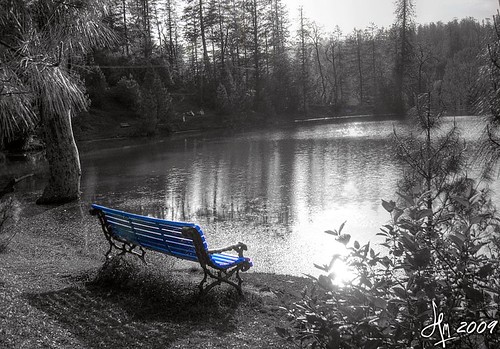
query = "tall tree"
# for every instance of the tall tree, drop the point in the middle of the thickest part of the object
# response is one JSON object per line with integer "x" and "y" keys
{"x": 303, "y": 56}
{"x": 489, "y": 103}
{"x": 41, "y": 41}
{"x": 256, "y": 50}
{"x": 316, "y": 38}
{"x": 405, "y": 12}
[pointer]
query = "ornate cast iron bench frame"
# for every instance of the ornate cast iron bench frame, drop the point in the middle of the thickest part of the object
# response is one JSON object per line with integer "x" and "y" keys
{"x": 132, "y": 233}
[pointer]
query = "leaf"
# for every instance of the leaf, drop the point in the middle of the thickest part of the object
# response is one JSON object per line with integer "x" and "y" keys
{"x": 331, "y": 232}
{"x": 399, "y": 291}
{"x": 366, "y": 281}
{"x": 408, "y": 241}
{"x": 356, "y": 245}
{"x": 397, "y": 213}
{"x": 475, "y": 248}
{"x": 321, "y": 267}
{"x": 334, "y": 258}
{"x": 344, "y": 239}
{"x": 379, "y": 302}
{"x": 456, "y": 240}
{"x": 342, "y": 227}
{"x": 310, "y": 276}
{"x": 367, "y": 248}
{"x": 409, "y": 199}
{"x": 462, "y": 201}
{"x": 325, "y": 283}
{"x": 424, "y": 213}
{"x": 388, "y": 206}
{"x": 475, "y": 198}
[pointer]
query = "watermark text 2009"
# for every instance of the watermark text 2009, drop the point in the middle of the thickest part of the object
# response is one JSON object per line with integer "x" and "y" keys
{"x": 447, "y": 335}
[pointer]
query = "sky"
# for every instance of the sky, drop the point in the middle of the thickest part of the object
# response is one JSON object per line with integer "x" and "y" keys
{"x": 350, "y": 14}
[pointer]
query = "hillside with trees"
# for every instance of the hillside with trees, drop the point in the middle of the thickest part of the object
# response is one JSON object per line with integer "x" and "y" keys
{"x": 242, "y": 60}
{"x": 239, "y": 55}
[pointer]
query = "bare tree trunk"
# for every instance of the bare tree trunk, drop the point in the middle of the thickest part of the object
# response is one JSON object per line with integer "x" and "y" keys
{"x": 222, "y": 41}
{"x": 206, "y": 59}
{"x": 256, "y": 48}
{"x": 334, "y": 66}
{"x": 303, "y": 61}
{"x": 62, "y": 156}
{"x": 158, "y": 28}
{"x": 320, "y": 66}
{"x": 360, "y": 70}
{"x": 125, "y": 27}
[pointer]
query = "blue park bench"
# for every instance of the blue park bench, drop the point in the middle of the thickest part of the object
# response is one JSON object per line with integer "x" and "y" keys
{"x": 132, "y": 233}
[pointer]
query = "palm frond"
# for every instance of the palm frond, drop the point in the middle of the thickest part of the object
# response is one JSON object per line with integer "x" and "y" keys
{"x": 16, "y": 113}
{"x": 41, "y": 36}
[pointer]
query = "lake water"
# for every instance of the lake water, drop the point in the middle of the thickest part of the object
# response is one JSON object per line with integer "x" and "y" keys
{"x": 276, "y": 190}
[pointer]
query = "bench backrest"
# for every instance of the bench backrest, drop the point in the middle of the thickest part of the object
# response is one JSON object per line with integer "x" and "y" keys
{"x": 153, "y": 233}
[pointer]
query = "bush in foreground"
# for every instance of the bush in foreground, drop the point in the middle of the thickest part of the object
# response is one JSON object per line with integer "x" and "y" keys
{"x": 450, "y": 268}
{"x": 435, "y": 279}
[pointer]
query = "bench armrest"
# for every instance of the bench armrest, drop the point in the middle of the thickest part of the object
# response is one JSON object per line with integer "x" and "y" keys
{"x": 239, "y": 248}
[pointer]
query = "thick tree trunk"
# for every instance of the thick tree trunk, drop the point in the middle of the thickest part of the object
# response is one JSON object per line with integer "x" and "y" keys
{"x": 64, "y": 162}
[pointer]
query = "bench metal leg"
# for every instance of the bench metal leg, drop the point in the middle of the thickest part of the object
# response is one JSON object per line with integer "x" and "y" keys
{"x": 200, "y": 286}
{"x": 126, "y": 248}
{"x": 220, "y": 277}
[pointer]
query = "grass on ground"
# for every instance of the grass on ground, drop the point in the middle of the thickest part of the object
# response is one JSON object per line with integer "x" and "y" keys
{"x": 56, "y": 292}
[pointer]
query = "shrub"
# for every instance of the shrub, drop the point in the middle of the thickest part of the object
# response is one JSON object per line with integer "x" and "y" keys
{"x": 127, "y": 93}
{"x": 434, "y": 280}
{"x": 156, "y": 103}
{"x": 453, "y": 263}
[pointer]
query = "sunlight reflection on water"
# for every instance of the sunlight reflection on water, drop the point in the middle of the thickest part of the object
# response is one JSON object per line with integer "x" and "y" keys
{"x": 276, "y": 190}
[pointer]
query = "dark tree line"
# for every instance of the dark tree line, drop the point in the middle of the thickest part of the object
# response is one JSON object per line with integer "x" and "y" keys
{"x": 237, "y": 55}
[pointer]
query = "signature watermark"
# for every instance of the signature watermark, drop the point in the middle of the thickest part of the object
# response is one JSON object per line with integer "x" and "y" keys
{"x": 447, "y": 334}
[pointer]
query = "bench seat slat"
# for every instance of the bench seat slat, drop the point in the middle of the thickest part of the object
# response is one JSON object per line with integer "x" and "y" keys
{"x": 172, "y": 246}
{"x": 153, "y": 225}
{"x": 225, "y": 260}
{"x": 110, "y": 211}
{"x": 149, "y": 229}
{"x": 224, "y": 257}
{"x": 136, "y": 237}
